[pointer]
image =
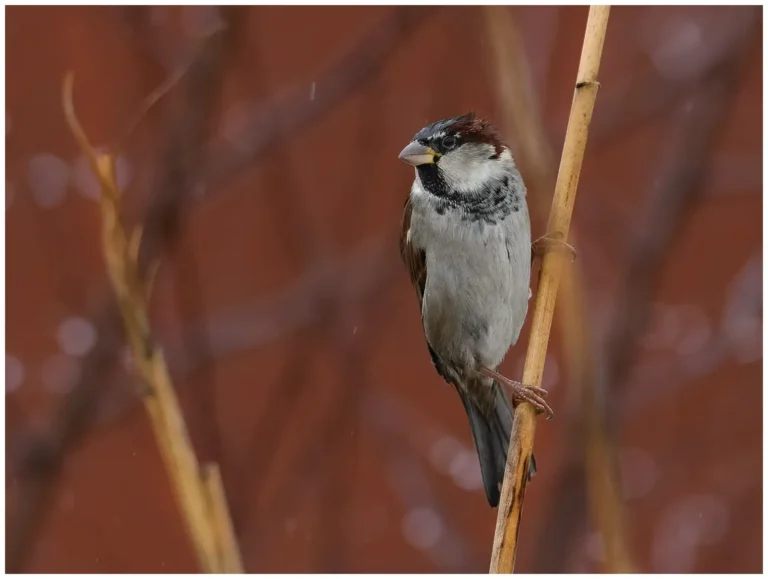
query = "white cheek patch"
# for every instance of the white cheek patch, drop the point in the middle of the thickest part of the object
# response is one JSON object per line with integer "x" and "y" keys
{"x": 470, "y": 171}
{"x": 479, "y": 174}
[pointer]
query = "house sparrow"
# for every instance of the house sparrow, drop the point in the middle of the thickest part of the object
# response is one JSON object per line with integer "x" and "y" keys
{"x": 466, "y": 241}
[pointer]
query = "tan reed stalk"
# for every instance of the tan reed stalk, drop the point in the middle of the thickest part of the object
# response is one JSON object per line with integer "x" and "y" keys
{"x": 199, "y": 491}
{"x": 521, "y": 443}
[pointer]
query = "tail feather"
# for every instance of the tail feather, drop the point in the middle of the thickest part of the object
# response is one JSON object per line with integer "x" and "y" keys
{"x": 491, "y": 432}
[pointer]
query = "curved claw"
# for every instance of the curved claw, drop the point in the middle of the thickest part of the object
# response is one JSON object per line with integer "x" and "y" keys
{"x": 536, "y": 389}
{"x": 536, "y": 400}
{"x": 523, "y": 392}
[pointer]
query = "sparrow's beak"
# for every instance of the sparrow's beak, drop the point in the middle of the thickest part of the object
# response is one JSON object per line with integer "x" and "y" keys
{"x": 417, "y": 154}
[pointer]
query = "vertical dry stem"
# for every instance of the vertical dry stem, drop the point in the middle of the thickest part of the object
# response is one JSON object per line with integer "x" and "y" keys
{"x": 521, "y": 443}
{"x": 523, "y": 123}
{"x": 201, "y": 498}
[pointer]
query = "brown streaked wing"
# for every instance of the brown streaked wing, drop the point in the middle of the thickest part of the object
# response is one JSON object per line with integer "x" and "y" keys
{"x": 414, "y": 258}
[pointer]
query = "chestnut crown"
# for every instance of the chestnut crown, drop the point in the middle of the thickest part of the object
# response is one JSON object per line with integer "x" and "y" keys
{"x": 448, "y": 134}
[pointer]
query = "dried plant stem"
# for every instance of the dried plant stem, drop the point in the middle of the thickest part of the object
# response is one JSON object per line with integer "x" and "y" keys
{"x": 523, "y": 123}
{"x": 199, "y": 491}
{"x": 521, "y": 443}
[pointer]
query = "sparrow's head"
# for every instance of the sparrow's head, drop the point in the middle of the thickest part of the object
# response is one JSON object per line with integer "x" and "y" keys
{"x": 459, "y": 155}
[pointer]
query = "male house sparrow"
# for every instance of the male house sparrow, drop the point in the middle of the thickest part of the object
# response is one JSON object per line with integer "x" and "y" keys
{"x": 466, "y": 241}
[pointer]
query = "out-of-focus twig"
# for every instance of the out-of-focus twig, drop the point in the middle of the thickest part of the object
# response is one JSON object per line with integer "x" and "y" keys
{"x": 358, "y": 277}
{"x": 153, "y": 98}
{"x": 521, "y": 443}
{"x": 331, "y": 295}
{"x": 291, "y": 111}
{"x": 520, "y": 109}
{"x": 40, "y": 455}
{"x": 600, "y": 463}
{"x": 523, "y": 121}
{"x": 227, "y": 551}
{"x": 668, "y": 206}
{"x": 199, "y": 492}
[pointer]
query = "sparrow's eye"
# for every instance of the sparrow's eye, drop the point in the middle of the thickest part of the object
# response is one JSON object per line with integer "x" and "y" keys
{"x": 449, "y": 142}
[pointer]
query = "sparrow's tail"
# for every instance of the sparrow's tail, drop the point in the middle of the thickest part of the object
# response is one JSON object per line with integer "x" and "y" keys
{"x": 491, "y": 431}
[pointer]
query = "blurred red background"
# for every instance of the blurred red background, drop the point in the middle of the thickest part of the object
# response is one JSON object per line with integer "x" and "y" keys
{"x": 270, "y": 179}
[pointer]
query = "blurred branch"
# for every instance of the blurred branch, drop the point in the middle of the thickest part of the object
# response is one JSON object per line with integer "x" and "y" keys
{"x": 672, "y": 201}
{"x": 601, "y": 474}
{"x": 352, "y": 348}
{"x": 197, "y": 346}
{"x": 363, "y": 271}
{"x": 521, "y": 442}
{"x": 337, "y": 477}
{"x": 523, "y": 120}
{"x": 333, "y": 312}
{"x": 227, "y": 554}
{"x": 358, "y": 277}
{"x": 292, "y": 110}
{"x": 201, "y": 498}
{"x": 355, "y": 279}
{"x": 520, "y": 110}
{"x": 186, "y": 282}
{"x": 272, "y": 125}
{"x": 39, "y": 456}
{"x": 668, "y": 206}
{"x": 155, "y": 96}
{"x": 258, "y": 459}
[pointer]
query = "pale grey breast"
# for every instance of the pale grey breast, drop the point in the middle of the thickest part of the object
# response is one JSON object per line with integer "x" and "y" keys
{"x": 478, "y": 280}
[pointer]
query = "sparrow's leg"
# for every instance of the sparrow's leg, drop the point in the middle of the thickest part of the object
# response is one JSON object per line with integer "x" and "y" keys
{"x": 521, "y": 392}
{"x": 551, "y": 242}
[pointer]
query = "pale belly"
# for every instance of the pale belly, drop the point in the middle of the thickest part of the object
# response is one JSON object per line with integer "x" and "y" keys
{"x": 476, "y": 296}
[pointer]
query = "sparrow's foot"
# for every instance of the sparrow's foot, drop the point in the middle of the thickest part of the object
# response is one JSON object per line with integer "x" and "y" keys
{"x": 522, "y": 392}
{"x": 551, "y": 242}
